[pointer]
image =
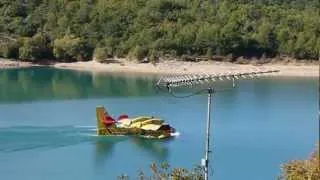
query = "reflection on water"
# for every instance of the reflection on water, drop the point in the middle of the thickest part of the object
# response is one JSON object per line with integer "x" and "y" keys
{"x": 104, "y": 148}
{"x": 156, "y": 148}
{"x": 23, "y": 138}
{"x": 40, "y": 83}
{"x": 106, "y": 145}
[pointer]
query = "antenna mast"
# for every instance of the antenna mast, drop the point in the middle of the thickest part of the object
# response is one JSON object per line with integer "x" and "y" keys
{"x": 175, "y": 81}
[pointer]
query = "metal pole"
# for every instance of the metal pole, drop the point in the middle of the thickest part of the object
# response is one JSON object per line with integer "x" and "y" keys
{"x": 206, "y": 169}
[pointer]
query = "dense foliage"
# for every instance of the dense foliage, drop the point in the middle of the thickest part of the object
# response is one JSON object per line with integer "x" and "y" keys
{"x": 165, "y": 172}
{"x": 80, "y": 29}
{"x": 302, "y": 169}
{"x": 294, "y": 170}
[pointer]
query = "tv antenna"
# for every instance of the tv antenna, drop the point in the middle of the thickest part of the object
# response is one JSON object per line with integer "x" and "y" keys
{"x": 199, "y": 80}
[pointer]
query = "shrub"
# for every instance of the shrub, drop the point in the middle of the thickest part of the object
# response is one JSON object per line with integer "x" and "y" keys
{"x": 35, "y": 48}
{"x": 165, "y": 173}
{"x": 209, "y": 53}
{"x": 188, "y": 58}
{"x": 302, "y": 169}
{"x": 26, "y": 51}
{"x": 68, "y": 48}
{"x": 242, "y": 60}
{"x": 10, "y": 50}
{"x": 138, "y": 53}
{"x": 153, "y": 56}
{"x": 100, "y": 54}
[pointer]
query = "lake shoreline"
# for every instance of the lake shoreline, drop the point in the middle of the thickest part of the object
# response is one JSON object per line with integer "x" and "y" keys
{"x": 11, "y": 64}
{"x": 174, "y": 67}
{"x": 182, "y": 67}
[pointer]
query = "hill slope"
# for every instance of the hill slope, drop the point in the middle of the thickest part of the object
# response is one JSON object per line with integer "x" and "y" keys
{"x": 76, "y": 29}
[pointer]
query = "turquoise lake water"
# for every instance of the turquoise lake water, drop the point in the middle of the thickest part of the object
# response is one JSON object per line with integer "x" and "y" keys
{"x": 47, "y": 126}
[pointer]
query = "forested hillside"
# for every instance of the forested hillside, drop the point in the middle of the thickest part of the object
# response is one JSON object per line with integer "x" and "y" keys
{"x": 72, "y": 30}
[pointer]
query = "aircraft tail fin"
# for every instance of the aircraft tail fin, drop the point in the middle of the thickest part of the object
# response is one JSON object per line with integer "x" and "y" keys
{"x": 100, "y": 113}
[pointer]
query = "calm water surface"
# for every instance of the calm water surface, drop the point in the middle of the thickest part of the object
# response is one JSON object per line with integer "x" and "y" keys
{"x": 47, "y": 121}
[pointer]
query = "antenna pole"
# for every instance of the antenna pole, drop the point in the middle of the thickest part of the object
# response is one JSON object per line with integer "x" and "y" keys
{"x": 196, "y": 79}
{"x": 206, "y": 169}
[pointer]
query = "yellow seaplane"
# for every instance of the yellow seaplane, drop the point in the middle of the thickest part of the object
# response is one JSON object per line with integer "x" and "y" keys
{"x": 144, "y": 126}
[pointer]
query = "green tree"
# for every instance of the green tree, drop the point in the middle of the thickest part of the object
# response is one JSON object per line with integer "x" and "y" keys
{"x": 26, "y": 51}
{"x": 10, "y": 50}
{"x": 35, "y": 48}
{"x": 138, "y": 53}
{"x": 209, "y": 53}
{"x": 318, "y": 48}
{"x": 299, "y": 50}
{"x": 284, "y": 36}
{"x": 185, "y": 38}
{"x": 100, "y": 54}
{"x": 207, "y": 37}
{"x": 70, "y": 48}
{"x": 267, "y": 38}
